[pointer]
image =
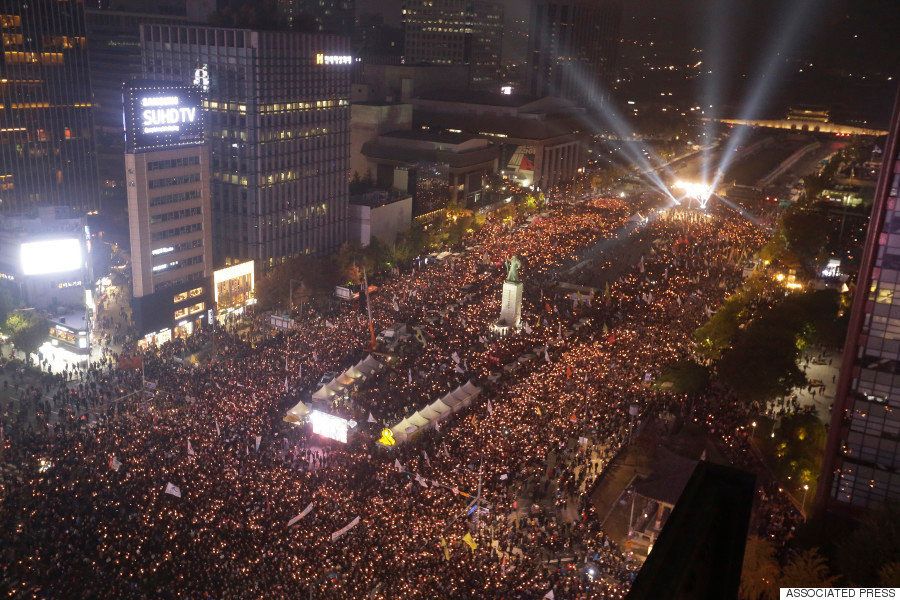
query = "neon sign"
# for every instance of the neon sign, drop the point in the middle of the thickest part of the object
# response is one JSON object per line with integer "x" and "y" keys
{"x": 328, "y": 59}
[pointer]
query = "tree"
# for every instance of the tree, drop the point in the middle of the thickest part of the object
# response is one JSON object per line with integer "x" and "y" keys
{"x": 27, "y": 330}
{"x": 8, "y": 302}
{"x": 889, "y": 576}
{"x": 761, "y": 363}
{"x": 806, "y": 233}
{"x": 807, "y": 568}
{"x": 686, "y": 376}
{"x": 312, "y": 275}
{"x": 760, "y": 571}
{"x": 865, "y": 552}
{"x": 798, "y": 447}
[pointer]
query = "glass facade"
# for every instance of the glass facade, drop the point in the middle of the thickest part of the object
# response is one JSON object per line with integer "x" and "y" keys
{"x": 278, "y": 130}
{"x": 862, "y": 466}
{"x": 573, "y": 47}
{"x": 46, "y": 130}
{"x": 455, "y": 32}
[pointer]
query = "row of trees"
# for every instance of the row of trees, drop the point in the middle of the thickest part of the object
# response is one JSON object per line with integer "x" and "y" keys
{"x": 836, "y": 553}
{"x": 313, "y": 277}
{"x": 753, "y": 342}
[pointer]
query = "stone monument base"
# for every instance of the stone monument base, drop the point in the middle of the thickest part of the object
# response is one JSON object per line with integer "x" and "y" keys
{"x": 502, "y": 328}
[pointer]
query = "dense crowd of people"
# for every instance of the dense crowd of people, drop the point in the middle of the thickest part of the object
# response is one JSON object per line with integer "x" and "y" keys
{"x": 201, "y": 490}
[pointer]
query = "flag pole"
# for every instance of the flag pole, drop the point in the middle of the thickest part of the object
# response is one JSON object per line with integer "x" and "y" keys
{"x": 369, "y": 310}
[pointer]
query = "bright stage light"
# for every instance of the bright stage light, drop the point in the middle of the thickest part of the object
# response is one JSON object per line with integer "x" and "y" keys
{"x": 696, "y": 190}
{"x": 329, "y": 426}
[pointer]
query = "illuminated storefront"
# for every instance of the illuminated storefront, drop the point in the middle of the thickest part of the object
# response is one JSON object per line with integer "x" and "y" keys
{"x": 234, "y": 288}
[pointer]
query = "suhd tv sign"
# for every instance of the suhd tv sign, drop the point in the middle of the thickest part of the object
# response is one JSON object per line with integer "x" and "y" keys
{"x": 165, "y": 114}
{"x": 162, "y": 115}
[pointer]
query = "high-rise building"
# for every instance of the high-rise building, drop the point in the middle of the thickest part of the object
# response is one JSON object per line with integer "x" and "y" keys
{"x": 573, "y": 47}
{"x": 455, "y": 32}
{"x": 862, "y": 457}
{"x": 376, "y": 42}
{"x": 324, "y": 16}
{"x": 278, "y": 126}
{"x": 114, "y": 46}
{"x": 169, "y": 217}
{"x": 46, "y": 130}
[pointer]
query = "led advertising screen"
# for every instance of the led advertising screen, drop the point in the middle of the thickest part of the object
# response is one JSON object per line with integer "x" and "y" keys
{"x": 50, "y": 256}
{"x": 162, "y": 115}
{"x": 330, "y": 426}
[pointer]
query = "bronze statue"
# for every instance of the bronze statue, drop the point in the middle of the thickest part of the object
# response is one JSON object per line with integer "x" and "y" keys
{"x": 512, "y": 269}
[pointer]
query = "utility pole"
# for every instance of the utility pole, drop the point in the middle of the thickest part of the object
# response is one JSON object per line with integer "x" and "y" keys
{"x": 368, "y": 310}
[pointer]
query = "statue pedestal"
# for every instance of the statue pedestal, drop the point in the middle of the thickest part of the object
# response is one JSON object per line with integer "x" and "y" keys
{"x": 510, "y": 309}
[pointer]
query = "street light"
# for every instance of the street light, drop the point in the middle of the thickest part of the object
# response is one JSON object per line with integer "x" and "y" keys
{"x": 805, "y": 491}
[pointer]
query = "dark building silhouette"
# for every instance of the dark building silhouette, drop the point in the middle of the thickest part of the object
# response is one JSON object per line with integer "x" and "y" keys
{"x": 46, "y": 126}
{"x": 572, "y": 49}
{"x": 455, "y": 32}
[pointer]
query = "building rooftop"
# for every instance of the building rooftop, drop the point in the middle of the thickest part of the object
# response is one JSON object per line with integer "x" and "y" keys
{"x": 427, "y": 135}
{"x": 476, "y": 97}
{"x": 376, "y": 198}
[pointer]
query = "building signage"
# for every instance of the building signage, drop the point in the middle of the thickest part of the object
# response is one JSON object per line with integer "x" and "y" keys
{"x": 329, "y": 59}
{"x": 165, "y": 114}
{"x": 162, "y": 115}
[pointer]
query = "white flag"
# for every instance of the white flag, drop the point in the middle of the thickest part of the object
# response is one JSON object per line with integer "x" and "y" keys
{"x": 114, "y": 463}
{"x": 527, "y": 327}
{"x": 455, "y": 357}
{"x": 410, "y": 376}
{"x": 546, "y": 355}
{"x": 305, "y": 512}
{"x": 421, "y": 481}
{"x": 459, "y": 369}
{"x": 190, "y": 449}
{"x": 337, "y": 534}
{"x": 504, "y": 477}
{"x": 173, "y": 489}
{"x": 437, "y": 425}
{"x": 549, "y": 596}
{"x": 371, "y": 419}
{"x": 258, "y": 440}
{"x": 217, "y": 429}
{"x": 427, "y": 460}
{"x": 455, "y": 491}
{"x": 490, "y": 407}
{"x": 397, "y": 464}
{"x": 396, "y": 306}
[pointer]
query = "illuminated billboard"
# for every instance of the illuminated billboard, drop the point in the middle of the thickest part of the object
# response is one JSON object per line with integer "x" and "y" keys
{"x": 234, "y": 286}
{"x": 50, "y": 256}
{"x": 162, "y": 115}
{"x": 330, "y": 426}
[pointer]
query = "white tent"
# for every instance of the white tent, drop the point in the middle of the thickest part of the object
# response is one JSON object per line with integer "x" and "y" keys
{"x": 297, "y": 413}
{"x": 441, "y": 408}
{"x": 340, "y": 384}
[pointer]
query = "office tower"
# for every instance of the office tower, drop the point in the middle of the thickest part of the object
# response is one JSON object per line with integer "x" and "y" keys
{"x": 114, "y": 47}
{"x": 46, "y": 130}
{"x": 862, "y": 457}
{"x": 455, "y": 32}
{"x": 573, "y": 46}
{"x": 169, "y": 217}
{"x": 278, "y": 125}
{"x": 324, "y": 16}
{"x": 376, "y": 42}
